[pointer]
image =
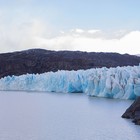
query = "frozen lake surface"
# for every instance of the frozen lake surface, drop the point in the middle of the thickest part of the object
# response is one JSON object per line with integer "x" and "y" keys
{"x": 59, "y": 116}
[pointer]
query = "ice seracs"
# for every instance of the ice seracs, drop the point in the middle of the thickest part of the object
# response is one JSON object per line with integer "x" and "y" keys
{"x": 120, "y": 82}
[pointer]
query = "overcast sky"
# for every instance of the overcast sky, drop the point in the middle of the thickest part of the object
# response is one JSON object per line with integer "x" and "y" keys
{"x": 86, "y": 25}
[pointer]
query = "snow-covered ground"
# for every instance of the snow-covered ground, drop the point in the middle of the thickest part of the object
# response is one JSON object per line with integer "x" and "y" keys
{"x": 120, "y": 82}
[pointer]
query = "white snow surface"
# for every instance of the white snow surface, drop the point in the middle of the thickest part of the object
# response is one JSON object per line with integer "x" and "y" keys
{"x": 119, "y": 82}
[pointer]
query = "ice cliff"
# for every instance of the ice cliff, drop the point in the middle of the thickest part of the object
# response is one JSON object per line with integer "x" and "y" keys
{"x": 120, "y": 82}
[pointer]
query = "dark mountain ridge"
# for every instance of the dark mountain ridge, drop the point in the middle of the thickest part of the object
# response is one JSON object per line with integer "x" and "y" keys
{"x": 40, "y": 61}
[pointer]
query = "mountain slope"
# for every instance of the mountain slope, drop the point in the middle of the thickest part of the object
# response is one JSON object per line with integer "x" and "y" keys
{"x": 40, "y": 61}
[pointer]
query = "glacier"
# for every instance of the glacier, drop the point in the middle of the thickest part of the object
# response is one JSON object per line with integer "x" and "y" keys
{"x": 119, "y": 82}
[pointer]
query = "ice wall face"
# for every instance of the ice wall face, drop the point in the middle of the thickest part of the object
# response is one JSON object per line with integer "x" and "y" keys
{"x": 120, "y": 82}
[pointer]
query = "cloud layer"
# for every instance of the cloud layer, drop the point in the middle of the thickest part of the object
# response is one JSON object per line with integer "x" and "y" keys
{"x": 36, "y": 34}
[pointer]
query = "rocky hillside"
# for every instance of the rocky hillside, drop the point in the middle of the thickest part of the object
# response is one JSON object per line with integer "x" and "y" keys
{"x": 39, "y": 61}
{"x": 133, "y": 112}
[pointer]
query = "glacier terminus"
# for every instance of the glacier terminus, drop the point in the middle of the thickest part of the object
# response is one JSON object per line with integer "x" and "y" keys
{"x": 119, "y": 82}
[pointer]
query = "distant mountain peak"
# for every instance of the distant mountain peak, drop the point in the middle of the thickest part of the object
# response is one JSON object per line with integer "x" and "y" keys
{"x": 138, "y": 55}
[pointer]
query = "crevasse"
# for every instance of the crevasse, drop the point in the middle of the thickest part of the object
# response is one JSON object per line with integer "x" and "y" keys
{"x": 120, "y": 82}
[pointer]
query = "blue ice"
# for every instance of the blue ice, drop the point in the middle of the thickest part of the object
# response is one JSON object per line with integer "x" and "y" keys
{"x": 119, "y": 82}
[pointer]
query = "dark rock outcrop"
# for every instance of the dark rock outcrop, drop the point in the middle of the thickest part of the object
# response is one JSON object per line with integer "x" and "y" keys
{"x": 40, "y": 61}
{"x": 133, "y": 112}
